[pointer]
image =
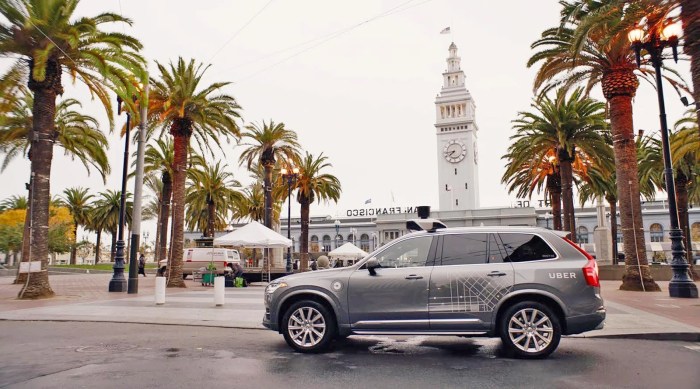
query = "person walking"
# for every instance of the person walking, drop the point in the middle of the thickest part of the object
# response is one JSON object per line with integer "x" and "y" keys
{"x": 142, "y": 265}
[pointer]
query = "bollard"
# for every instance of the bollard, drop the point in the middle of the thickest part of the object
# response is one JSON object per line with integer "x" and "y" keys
{"x": 160, "y": 290}
{"x": 219, "y": 290}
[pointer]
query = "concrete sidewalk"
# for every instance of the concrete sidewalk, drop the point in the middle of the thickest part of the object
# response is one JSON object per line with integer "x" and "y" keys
{"x": 84, "y": 297}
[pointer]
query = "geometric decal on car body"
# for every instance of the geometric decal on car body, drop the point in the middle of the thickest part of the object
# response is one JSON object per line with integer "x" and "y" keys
{"x": 472, "y": 294}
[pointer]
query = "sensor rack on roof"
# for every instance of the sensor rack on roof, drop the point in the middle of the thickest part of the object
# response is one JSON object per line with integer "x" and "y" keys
{"x": 429, "y": 225}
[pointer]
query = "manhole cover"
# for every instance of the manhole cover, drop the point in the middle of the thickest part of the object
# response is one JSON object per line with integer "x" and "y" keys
{"x": 105, "y": 348}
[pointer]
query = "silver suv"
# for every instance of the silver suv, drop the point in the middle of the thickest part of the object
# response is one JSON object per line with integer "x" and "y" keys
{"x": 526, "y": 285}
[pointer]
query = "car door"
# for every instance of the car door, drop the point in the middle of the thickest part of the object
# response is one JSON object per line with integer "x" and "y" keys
{"x": 468, "y": 280}
{"x": 396, "y": 297}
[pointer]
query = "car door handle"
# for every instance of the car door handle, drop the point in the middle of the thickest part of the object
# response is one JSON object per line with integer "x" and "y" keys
{"x": 414, "y": 277}
{"x": 496, "y": 274}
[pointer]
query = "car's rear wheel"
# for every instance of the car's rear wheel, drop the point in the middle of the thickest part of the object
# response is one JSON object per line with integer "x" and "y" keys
{"x": 308, "y": 327}
{"x": 530, "y": 330}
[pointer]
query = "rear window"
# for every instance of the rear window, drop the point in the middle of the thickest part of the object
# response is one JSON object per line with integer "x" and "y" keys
{"x": 525, "y": 247}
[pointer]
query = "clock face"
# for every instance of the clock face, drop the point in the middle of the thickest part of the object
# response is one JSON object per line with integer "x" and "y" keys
{"x": 454, "y": 151}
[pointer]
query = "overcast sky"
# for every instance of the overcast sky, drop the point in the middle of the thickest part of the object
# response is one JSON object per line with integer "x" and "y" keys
{"x": 361, "y": 93}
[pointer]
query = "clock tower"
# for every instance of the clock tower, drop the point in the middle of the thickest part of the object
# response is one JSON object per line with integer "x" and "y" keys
{"x": 456, "y": 130}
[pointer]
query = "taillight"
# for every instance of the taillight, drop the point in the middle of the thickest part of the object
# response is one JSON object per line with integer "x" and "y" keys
{"x": 590, "y": 271}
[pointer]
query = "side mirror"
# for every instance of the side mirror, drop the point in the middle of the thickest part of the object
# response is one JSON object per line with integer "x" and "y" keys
{"x": 372, "y": 264}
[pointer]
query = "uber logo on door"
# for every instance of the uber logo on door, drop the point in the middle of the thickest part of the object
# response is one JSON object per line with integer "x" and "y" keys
{"x": 562, "y": 275}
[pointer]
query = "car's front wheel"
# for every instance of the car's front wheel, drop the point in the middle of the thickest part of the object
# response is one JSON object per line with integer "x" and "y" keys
{"x": 308, "y": 326}
{"x": 530, "y": 330}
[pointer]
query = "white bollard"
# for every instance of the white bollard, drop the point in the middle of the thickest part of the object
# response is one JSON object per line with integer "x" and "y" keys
{"x": 219, "y": 290}
{"x": 160, "y": 290}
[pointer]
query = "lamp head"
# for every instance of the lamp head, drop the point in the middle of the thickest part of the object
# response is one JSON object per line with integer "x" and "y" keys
{"x": 636, "y": 35}
{"x": 671, "y": 32}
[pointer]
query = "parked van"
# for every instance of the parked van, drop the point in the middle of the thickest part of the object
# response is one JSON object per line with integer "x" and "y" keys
{"x": 195, "y": 258}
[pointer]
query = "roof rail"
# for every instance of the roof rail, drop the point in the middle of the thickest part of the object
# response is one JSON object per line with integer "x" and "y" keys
{"x": 429, "y": 225}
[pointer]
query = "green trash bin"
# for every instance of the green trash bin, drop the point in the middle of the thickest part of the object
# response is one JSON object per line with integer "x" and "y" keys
{"x": 208, "y": 278}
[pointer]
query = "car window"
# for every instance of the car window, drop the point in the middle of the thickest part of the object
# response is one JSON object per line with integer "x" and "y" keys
{"x": 496, "y": 254}
{"x": 406, "y": 253}
{"x": 464, "y": 249}
{"x": 525, "y": 247}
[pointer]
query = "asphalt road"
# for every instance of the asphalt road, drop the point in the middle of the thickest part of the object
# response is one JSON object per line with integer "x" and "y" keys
{"x": 107, "y": 355}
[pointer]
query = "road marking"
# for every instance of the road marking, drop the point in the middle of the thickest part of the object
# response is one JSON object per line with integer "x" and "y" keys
{"x": 695, "y": 347}
{"x": 667, "y": 306}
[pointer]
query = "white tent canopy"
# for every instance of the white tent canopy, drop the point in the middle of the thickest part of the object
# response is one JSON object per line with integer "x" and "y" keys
{"x": 347, "y": 251}
{"x": 253, "y": 235}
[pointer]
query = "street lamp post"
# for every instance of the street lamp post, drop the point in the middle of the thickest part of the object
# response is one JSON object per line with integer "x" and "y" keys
{"x": 291, "y": 177}
{"x": 681, "y": 284}
{"x": 547, "y": 216}
{"x": 118, "y": 282}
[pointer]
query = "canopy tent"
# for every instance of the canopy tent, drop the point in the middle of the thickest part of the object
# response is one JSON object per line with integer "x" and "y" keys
{"x": 253, "y": 235}
{"x": 347, "y": 251}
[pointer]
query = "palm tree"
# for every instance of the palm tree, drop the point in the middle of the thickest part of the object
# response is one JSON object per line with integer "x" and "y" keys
{"x": 601, "y": 182}
{"x": 571, "y": 131}
{"x": 210, "y": 198}
{"x": 313, "y": 185}
{"x": 13, "y": 202}
{"x": 685, "y": 153}
{"x": 77, "y": 200}
{"x": 690, "y": 17}
{"x": 177, "y": 104}
{"x": 152, "y": 181}
{"x": 591, "y": 46}
{"x": 105, "y": 215}
{"x": 266, "y": 145}
{"x": 101, "y": 60}
{"x": 158, "y": 158}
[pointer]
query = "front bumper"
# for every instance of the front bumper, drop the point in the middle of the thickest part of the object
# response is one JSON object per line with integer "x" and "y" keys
{"x": 267, "y": 323}
{"x": 583, "y": 323}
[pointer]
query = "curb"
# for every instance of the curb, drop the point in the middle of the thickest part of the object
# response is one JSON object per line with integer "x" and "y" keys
{"x": 663, "y": 336}
{"x": 136, "y": 322}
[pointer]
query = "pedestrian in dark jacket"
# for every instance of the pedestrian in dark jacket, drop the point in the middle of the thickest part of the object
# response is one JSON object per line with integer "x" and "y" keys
{"x": 142, "y": 265}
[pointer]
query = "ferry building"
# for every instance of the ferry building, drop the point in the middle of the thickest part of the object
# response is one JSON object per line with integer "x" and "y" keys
{"x": 456, "y": 150}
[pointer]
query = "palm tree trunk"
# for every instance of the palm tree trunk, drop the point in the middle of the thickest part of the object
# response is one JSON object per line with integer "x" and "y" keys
{"x": 628, "y": 194}
{"x": 74, "y": 248}
{"x": 42, "y": 139}
{"x": 304, "y": 243}
{"x": 211, "y": 216}
{"x": 165, "y": 214}
{"x": 567, "y": 193}
{"x": 113, "y": 248}
{"x": 554, "y": 188}
{"x": 97, "y": 246}
{"x": 681, "y": 183}
{"x": 690, "y": 15}
{"x": 179, "y": 175}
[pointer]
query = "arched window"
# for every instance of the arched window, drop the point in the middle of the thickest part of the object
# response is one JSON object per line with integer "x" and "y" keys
{"x": 326, "y": 243}
{"x": 582, "y": 234}
{"x": 364, "y": 242}
{"x": 695, "y": 232}
{"x": 656, "y": 232}
{"x": 314, "y": 244}
{"x": 619, "y": 234}
{"x": 351, "y": 238}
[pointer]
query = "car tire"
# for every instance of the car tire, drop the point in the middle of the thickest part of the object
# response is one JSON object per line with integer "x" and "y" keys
{"x": 530, "y": 330}
{"x": 308, "y": 327}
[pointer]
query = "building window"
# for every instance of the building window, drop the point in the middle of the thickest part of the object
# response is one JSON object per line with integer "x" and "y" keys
{"x": 338, "y": 240}
{"x": 466, "y": 185}
{"x": 656, "y": 232}
{"x": 314, "y": 244}
{"x": 456, "y": 202}
{"x": 326, "y": 243}
{"x": 364, "y": 242}
{"x": 695, "y": 232}
{"x": 619, "y": 234}
{"x": 582, "y": 235}
{"x": 351, "y": 238}
{"x": 390, "y": 235}
{"x": 455, "y": 171}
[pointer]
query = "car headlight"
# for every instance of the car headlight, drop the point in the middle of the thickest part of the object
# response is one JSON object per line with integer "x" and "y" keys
{"x": 271, "y": 288}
